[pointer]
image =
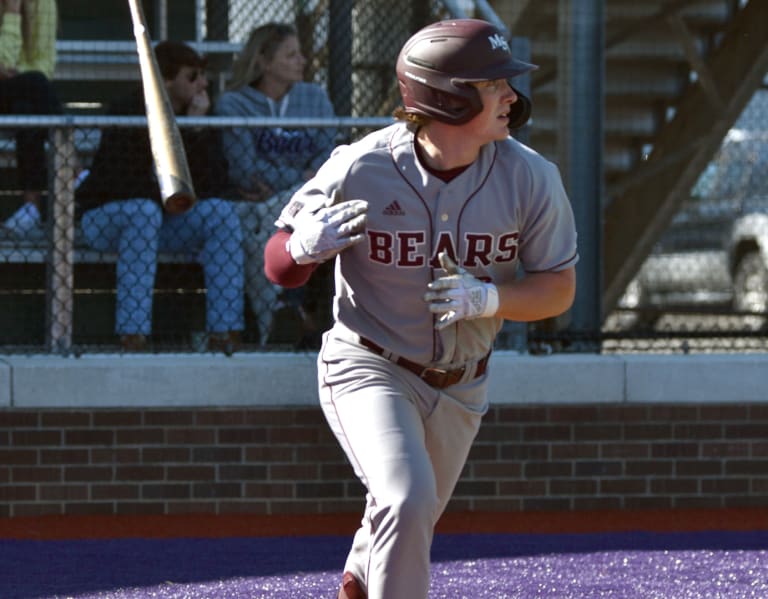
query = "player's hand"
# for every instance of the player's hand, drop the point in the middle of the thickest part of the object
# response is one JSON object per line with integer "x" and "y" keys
{"x": 321, "y": 234}
{"x": 459, "y": 296}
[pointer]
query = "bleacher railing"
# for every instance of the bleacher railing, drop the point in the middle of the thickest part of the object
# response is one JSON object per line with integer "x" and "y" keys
{"x": 72, "y": 141}
{"x": 50, "y": 303}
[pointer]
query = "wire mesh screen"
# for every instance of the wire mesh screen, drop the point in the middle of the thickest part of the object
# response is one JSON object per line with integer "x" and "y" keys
{"x": 350, "y": 47}
{"x": 704, "y": 285}
{"x": 684, "y": 173}
{"x": 111, "y": 271}
{"x": 685, "y": 188}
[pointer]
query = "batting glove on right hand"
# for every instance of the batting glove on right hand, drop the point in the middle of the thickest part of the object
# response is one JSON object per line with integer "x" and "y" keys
{"x": 320, "y": 235}
{"x": 459, "y": 296}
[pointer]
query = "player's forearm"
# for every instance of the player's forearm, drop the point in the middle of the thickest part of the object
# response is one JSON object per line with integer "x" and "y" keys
{"x": 280, "y": 267}
{"x": 537, "y": 296}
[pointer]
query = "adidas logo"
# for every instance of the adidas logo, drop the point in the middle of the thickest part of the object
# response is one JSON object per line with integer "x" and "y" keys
{"x": 394, "y": 209}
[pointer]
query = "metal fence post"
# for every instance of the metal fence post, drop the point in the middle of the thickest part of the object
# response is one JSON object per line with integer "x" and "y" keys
{"x": 580, "y": 153}
{"x": 340, "y": 56}
{"x": 61, "y": 255}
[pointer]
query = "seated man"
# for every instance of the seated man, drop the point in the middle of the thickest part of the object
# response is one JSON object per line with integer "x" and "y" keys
{"x": 122, "y": 211}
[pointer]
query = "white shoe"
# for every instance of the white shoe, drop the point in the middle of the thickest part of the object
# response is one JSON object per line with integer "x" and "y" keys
{"x": 25, "y": 220}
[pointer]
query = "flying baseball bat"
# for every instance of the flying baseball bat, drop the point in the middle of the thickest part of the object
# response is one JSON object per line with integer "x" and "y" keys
{"x": 171, "y": 168}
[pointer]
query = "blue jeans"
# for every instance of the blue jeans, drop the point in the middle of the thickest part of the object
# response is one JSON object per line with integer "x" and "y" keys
{"x": 138, "y": 229}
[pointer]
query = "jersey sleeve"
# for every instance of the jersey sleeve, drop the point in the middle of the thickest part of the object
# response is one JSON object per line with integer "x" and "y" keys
{"x": 548, "y": 237}
{"x": 316, "y": 192}
{"x": 279, "y": 266}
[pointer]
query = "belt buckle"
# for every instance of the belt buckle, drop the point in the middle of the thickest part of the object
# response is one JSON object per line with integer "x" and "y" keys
{"x": 440, "y": 378}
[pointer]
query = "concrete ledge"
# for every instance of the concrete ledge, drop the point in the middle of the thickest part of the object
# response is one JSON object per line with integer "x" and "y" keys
{"x": 698, "y": 379}
{"x": 288, "y": 379}
{"x": 555, "y": 379}
{"x": 119, "y": 381}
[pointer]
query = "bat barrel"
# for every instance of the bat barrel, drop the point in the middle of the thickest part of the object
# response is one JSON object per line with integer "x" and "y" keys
{"x": 171, "y": 168}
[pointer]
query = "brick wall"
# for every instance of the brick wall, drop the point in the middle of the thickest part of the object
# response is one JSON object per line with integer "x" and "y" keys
{"x": 284, "y": 460}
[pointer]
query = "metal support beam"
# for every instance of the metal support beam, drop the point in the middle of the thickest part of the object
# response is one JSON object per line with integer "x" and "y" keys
{"x": 61, "y": 256}
{"x": 340, "y": 56}
{"x": 217, "y": 20}
{"x": 697, "y": 62}
{"x": 161, "y": 20}
{"x": 636, "y": 219}
{"x": 580, "y": 149}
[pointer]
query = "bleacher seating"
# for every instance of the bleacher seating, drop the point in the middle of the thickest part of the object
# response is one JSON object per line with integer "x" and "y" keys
{"x": 88, "y": 75}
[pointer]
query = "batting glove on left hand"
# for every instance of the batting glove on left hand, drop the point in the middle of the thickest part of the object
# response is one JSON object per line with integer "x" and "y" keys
{"x": 459, "y": 296}
{"x": 321, "y": 234}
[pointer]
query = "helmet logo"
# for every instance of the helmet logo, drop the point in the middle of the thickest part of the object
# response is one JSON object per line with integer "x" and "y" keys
{"x": 497, "y": 41}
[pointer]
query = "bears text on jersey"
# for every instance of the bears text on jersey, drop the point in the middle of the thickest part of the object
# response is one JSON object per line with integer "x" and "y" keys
{"x": 407, "y": 249}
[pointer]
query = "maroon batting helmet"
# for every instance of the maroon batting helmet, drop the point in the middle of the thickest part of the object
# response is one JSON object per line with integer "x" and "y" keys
{"x": 437, "y": 64}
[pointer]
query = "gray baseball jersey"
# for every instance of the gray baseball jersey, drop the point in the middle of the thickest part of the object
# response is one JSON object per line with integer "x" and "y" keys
{"x": 506, "y": 210}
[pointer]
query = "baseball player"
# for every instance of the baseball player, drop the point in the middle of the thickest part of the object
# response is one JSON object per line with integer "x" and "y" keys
{"x": 428, "y": 221}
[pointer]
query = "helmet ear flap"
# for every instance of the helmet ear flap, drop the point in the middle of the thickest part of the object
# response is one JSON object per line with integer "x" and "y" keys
{"x": 458, "y": 107}
{"x": 520, "y": 111}
{"x": 455, "y": 108}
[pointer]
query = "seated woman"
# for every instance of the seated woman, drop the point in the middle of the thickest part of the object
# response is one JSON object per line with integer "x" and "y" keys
{"x": 269, "y": 164}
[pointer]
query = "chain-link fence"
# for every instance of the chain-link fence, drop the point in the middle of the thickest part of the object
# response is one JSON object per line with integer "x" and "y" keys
{"x": 684, "y": 105}
{"x": 698, "y": 280}
{"x": 685, "y": 242}
{"x": 109, "y": 266}
{"x": 705, "y": 283}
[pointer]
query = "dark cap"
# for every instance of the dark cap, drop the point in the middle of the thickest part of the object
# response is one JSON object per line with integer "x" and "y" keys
{"x": 171, "y": 56}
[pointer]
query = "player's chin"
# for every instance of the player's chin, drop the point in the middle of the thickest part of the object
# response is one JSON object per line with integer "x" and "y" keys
{"x": 501, "y": 129}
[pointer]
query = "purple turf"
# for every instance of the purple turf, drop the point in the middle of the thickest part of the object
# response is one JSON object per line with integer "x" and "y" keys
{"x": 621, "y": 566}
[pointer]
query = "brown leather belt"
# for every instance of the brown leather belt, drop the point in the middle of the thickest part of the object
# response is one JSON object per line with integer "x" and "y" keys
{"x": 434, "y": 377}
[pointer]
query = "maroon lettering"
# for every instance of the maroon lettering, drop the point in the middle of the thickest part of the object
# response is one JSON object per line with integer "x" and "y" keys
{"x": 380, "y": 246}
{"x": 479, "y": 248}
{"x": 507, "y": 247}
{"x": 407, "y": 248}
{"x": 408, "y": 251}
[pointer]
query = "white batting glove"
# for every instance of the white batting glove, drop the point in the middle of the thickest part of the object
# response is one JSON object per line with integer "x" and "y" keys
{"x": 459, "y": 296}
{"x": 321, "y": 234}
